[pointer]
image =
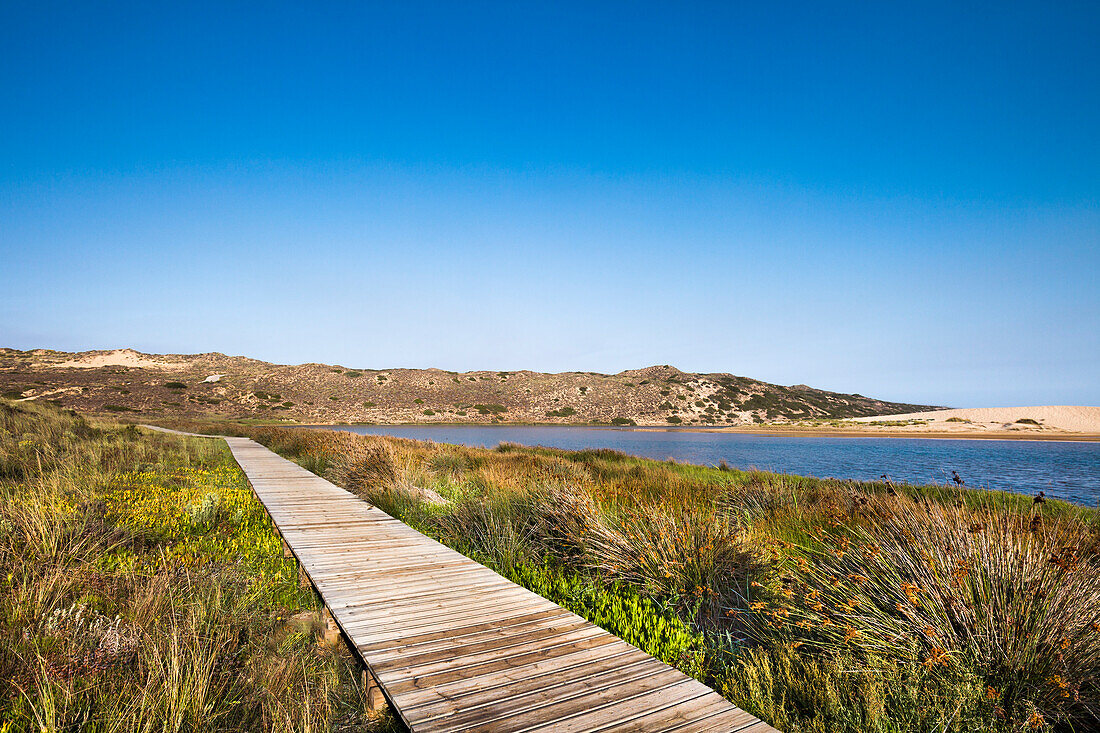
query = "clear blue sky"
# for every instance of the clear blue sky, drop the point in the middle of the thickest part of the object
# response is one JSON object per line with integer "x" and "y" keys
{"x": 901, "y": 200}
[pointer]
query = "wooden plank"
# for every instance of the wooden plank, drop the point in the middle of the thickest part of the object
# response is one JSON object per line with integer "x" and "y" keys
{"x": 550, "y": 675}
{"x": 621, "y": 702}
{"x": 459, "y": 669}
{"x": 458, "y": 632}
{"x": 453, "y": 642}
{"x": 706, "y": 714}
{"x": 525, "y": 699}
{"x": 369, "y": 632}
{"x": 537, "y": 638}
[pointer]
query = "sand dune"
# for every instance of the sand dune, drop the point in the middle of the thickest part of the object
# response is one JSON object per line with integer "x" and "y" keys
{"x": 1078, "y": 419}
{"x": 118, "y": 357}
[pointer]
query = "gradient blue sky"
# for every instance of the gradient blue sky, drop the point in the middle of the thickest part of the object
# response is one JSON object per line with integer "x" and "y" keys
{"x": 901, "y": 200}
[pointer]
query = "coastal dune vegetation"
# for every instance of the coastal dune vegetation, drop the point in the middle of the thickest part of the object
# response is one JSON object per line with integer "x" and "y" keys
{"x": 817, "y": 605}
{"x": 144, "y": 589}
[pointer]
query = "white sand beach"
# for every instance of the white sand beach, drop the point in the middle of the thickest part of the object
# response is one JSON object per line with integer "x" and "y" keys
{"x": 1070, "y": 418}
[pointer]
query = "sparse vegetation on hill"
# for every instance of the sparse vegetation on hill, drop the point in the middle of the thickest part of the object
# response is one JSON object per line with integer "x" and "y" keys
{"x": 237, "y": 388}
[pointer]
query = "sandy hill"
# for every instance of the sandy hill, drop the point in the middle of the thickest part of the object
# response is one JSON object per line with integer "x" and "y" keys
{"x": 127, "y": 381}
{"x": 1069, "y": 418}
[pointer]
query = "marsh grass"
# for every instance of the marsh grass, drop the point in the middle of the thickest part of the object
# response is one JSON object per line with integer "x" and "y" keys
{"x": 449, "y": 464}
{"x": 818, "y": 605}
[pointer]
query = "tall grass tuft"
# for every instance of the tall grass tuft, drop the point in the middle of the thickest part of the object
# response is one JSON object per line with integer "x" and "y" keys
{"x": 1010, "y": 597}
{"x": 498, "y": 531}
{"x": 365, "y": 468}
{"x": 691, "y": 554}
{"x": 448, "y": 463}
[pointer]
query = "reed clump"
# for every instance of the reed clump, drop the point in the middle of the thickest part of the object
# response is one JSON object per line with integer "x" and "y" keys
{"x": 1010, "y": 597}
{"x": 695, "y": 556}
{"x": 364, "y": 468}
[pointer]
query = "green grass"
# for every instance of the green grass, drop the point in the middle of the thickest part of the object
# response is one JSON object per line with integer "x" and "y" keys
{"x": 620, "y": 610}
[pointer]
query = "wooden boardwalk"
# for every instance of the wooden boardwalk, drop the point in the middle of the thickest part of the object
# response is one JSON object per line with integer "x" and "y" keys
{"x": 456, "y": 647}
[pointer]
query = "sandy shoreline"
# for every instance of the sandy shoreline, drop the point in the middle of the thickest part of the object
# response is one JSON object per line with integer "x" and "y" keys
{"x": 770, "y": 430}
{"x": 913, "y": 434}
{"x": 1041, "y": 422}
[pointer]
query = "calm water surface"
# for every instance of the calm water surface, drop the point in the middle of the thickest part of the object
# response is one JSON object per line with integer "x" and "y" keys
{"x": 1067, "y": 470}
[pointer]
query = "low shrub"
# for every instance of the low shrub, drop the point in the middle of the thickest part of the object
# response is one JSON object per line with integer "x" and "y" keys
{"x": 204, "y": 514}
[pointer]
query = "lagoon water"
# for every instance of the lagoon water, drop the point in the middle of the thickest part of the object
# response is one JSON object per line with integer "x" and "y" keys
{"x": 1067, "y": 470}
